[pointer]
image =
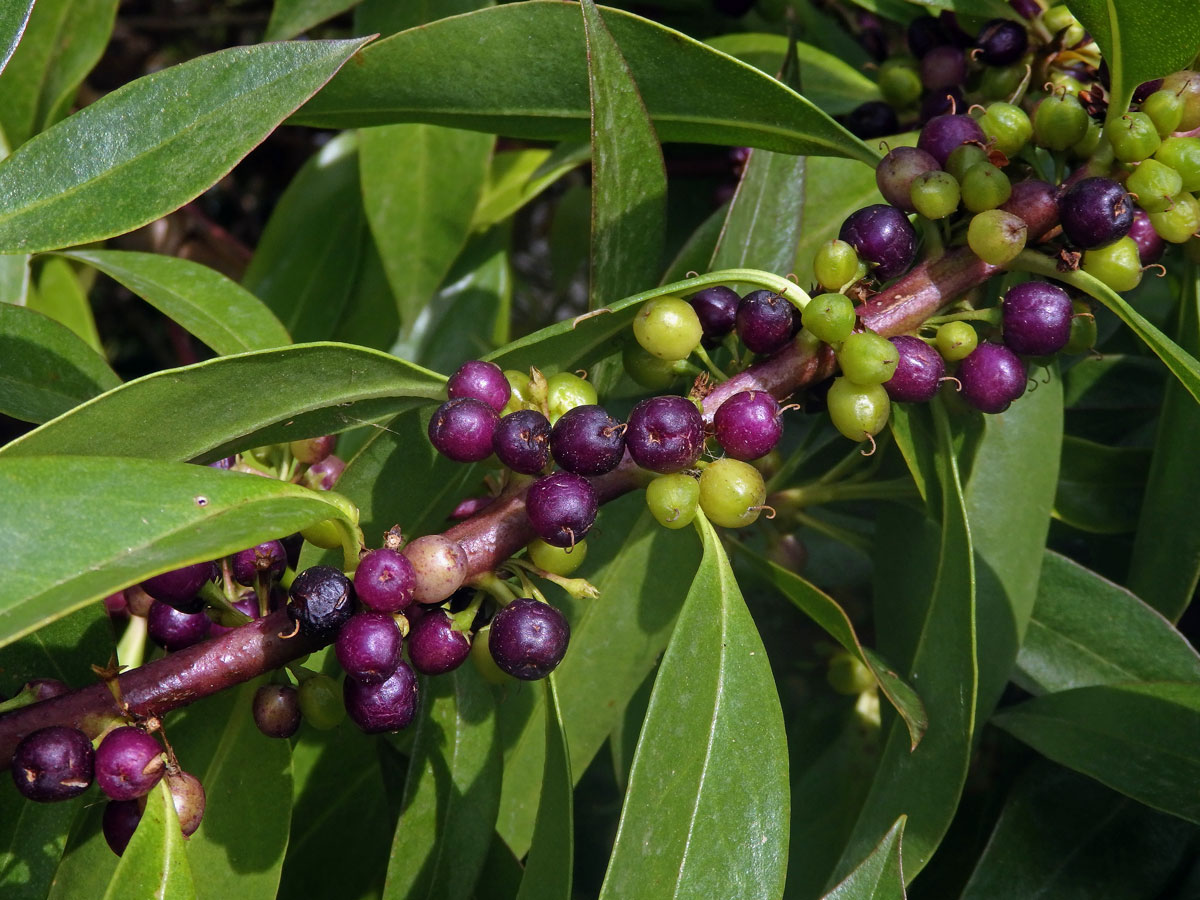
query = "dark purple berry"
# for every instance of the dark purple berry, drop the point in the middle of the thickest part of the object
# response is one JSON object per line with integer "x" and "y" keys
{"x": 586, "y": 440}
{"x": 175, "y": 630}
{"x": 368, "y": 647}
{"x": 434, "y": 647}
{"x": 1002, "y": 42}
{"x": 882, "y": 235}
{"x": 1027, "y": 9}
{"x": 522, "y": 441}
{"x": 120, "y": 821}
{"x": 765, "y": 321}
{"x": 45, "y": 688}
{"x": 918, "y": 371}
{"x": 943, "y": 67}
{"x": 1145, "y": 89}
{"x": 528, "y": 639}
{"x": 54, "y": 763}
{"x": 896, "y": 171}
{"x": 872, "y": 119}
{"x": 941, "y": 103}
{"x": 128, "y": 763}
{"x": 1095, "y": 212}
{"x": 1034, "y": 201}
{"x": 179, "y": 588}
{"x": 483, "y": 381}
{"x": 749, "y": 424}
{"x": 268, "y": 560}
{"x": 388, "y": 706}
{"x": 324, "y": 475}
{"x": 716, "y": 307}
{"x": 385, "y": 580}
{"x": 187, "y": 794}
{"x": 561, "y": 507}
{"x": 322, "y": 601}
{"x": 665, "y": 434}
{"x": 1036, "y": 318}
{"x": 942, "y": 134}
{"x": 925, "y": 33}
{"x": 1151, "y": 246}
{"x": 992, "y": 376}
{"x": 276, "y": 710}
{"x": 462, "y": 429}
{"x": 293, "y": 544}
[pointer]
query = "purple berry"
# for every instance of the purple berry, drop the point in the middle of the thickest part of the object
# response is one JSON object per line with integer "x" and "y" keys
{"x": 522, "y": 441}
{"x": 388, "y": 706}
{"x": 665, "y": 434}
{"x": 561, "y": 507}
{"x": 276, "y": 710}
{"x": 434, "y": 647}
{"x": 120, "y": 821}
{"x": 483, "y": 381}
{"x": 749, "y": 424}
{"x": 322, "y": 476}
{"x": 528, "y": 639}
{"x": 462, "y": 429}
{"x": 943, "y": 67}
{"x": 174, "y": 630}
{"x": 872, "y": 119}
{"x": 1036, "y": 318}
{"x": 267, "y": 559}
{"x": 992, "y": 376}
{"x": 1034, "y": 201}
{"x": 765, "y": 321}
{"x": 384, "y": 580}
{"x": 45, "y": 688}
{"x": 586, "y": 440}
{"x": 321, "y": 601}
{"x": 54, "y": 763}
{"x": 128, "y": 763}
{"x": 1151, "y": 246}
{"x": 1002, "y": 42}
{"x": 896, "y": 171}
{"x": 716, "y": 307}
{"x": 226, "y": 463}
{"x": 882, "y": 235}
{"x": 942, "y": 134}
{"x": 918, "y": 371}
{"x": 368, "y": 647}
{"x": 1095, "y": 212}
{"x": 1027, "y": 9}
{"x": 179, "y": 588}
{"x": 187, "y": 793}
{"x": 941, "y": 103}
{"x": 311, "y": 451}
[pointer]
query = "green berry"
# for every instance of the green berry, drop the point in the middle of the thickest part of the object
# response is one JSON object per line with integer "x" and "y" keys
{"x": 1155, "y": 184}
{"x": 1059, "y": 122}
{"x": 1165, "y": 109}
{"x": 1008, "y": 126}
{"x": 1083, "y": 329}
{"x": 1117, "y": 264}
{"x": 520, "y": 398}
{"x": 847, "y": 675}
{"x": 956, "y": 340}
{"x": 673, "y": 499}
{"x": 648, "y": 370}
{"x": 962, "y": 158}
{"x": 985, "y": 187}
{"x": 999, "y": 82}
{"x": 668, "y": 328}
{"x": 900, "y": 82}
{"x": 836, "y": 264}
{"x": 996, "y": 236}
{"x": 565, "y": 391}
{"x": 1178, "y": 222}
{"x": 858, "y": 411}
{"x": 557, "y": 560}
{"x": 1059, "y": 18}
{"x": 935, "y": 195}
{"x": 1089, "y": 144}
{"x": 732, "y": 492}
{"x": 1133, "y": 137}
{"x": 321, "y": 702}
{"x": 1183, "y": 155}
{"x": 830, "y": 317}
{"x": 481, "y": 658}
{"x": 867, "y": 358}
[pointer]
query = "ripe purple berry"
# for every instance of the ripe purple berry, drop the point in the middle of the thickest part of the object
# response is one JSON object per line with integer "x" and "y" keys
{"x": 128, "y": 763}
{"x": 1036, "y": 318}
{"x": 1002, "y": 42}
{"x": 528, "y": 639}
{"x": 321, "y": 601}
{"x": 434, "y": 647}
{"x": 52, "y": 764}
{"x": 323, "y": 476}
{"x": 895, "y": 173}
{"x": 368, "y": 647}
{"x": 1150, "y": 244}
{"x": 925, "y": 33}
{"x": 561, "y": 507}
{"x": 388, "y": 706}
{"x": 766, "y": 321}
{"x": 749, "y": 424}
{"x": 522, "y": 441}
{"x": 665, "y": 434}
{"x": 883, "y": 235}
{"x": 942, "y": 134}
{"x": 45, "y": 688}
{"x": 483, "y": 381}
{"x": 586, "y": 440}
{"x": 267, "y": 560}
{"x": 174, "y": 630}
{"x": 716, "y": 307}
{"x": 1095, "y": 212}
{"x": 384, "y": 580}
{"x": 943, "y": 67}
{"x": 276, "y": 710}
{"x": 120, "y": 821}
{"x": 462, "y": 429}
{"x": 918, "y": 371}
{"x": 992, "y": 376}
{"x": 179, "y": 588}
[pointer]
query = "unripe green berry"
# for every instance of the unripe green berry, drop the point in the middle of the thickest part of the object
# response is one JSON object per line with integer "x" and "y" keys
{"x": 1059, "y": 18}
{"x": 935, "y": 195}
{"x": 562, "y": 561}
{"x": 1064, "y": 82}
{"x": 985, "y": 187}
{"x": 481, "y": 658}
{"x": 858, "y": 411}
{"x": 732, "y": 492}
{"x": 1087, "y": 146}
{"x": 1133, "y": 137}
{"x": 830, "y": 317}
{"x": 835, "y": 264}
{"x": 1179, "y": 221}
{"x": 321, "y": 702}
{"x": 1183, "y": 155}
{"x": 668, "y": 327}
{"x": 900, "y": 82}
{"x": 956, "y": 340}
{"x": 1059, "y": 122}
{"x": 847, "y": 675}
{"x": 673, "y": 499}
{"x": 1008, "y": 126}
{"x": 1154, "y": 184}
{"x": 325, "y": 535}
{"x": 996, "y": 236}
{"x": 1117, "y": 264}
{"x": 1001, "y": 82}
{"x": 867, "y": 358}
{"x": 962, "y": 158}
{"x": 1083, "y": 329}
{"x": 648, "y": 370}
{"x": 565, "y": 391}
{"x": 518, "y": 383}
{"x": 1165, "y": 109}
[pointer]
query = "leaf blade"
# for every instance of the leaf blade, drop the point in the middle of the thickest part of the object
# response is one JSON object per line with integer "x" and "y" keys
{"x": 552, "y": 853}
{"x": 155, "y": 863}
{"x": 881, "y": 875}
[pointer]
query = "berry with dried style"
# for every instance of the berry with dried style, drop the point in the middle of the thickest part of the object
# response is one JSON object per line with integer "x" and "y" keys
{"x": 665, "y": 434}
{"x": 385, "y": 580}
{"x": 992, "y": 378}
{"x": 1185, "y": 84}
{"x": 435, "y": 646}
{"x": 882, "y": 235}
{"x": 858, "y": 411}
{"x": 587, "y": 441}
{"x": 1154, "y": 184}
{"x": 1133, "y": 137}
{"x": 321, "y": 602}
{"x": 52, "y": 764}
{"x": 749, "y": 424}
{"x": 1150, "y": 243}
{"x": 830, "y": 317}
{"x": 1002, "y": 42}
{"x": 564, "y": 561}
{"x": 1059, "y": 121}
{"x": 174, "y": 630}
{"x": 527, "y": 639}
{"x": 462, "y": 429}
{"x": 387, "y": 706}
{"x": 673, "y": 499}
{"x": 276, "y": 710}
{"x": 522, "y": 441}
{"x": 1095, "y": 212}
{"x": 483, "y": 381}
{"x": 128, "y": 763}
{"x": 1116, "y": 264}
{"x": 188, "y": 797}
{"x": 919, "y": 370}
{"x": 440, "y": 566}
{"x": 935, "y": 195}
{"x": 732, "y": 493}
{"x": 1179, "y": 222}
{"x": 668, "y": 328}
{"x": 561, "y": 507}
{"x": 835, "y": 264}
{"x": 716, "y": 307}
{"x": 956, "y": 340}
{"x": 1036, "y": 318}
{"x": 266, "y": 561}
{"x": 765, "y": 321}
{"x": 180, "y": 588}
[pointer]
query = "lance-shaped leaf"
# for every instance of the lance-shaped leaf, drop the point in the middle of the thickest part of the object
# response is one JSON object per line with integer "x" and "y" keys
{"x": 552, "y": 854}
{"x": 155, "y": 864}
{"x": 292, "y": 17}
{"x": 14, "y": 16}
{"x": 179, "y": 130}
{"x": 60, "y": 296}
{"x": 878, "y": 877}
{"x": 517, "y": 176}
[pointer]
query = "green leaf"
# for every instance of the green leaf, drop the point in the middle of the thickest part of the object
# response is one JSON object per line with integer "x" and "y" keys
{"x": 698, "y": 249}
{"x": 709, "y": 786}
{"x": 420, "y": 187}
{"x": 878, "y": 877}
{"x": 155, "y": 864}
{"x": 60, "y": 296}
{"x": 1085, "y": 631}
{"x": 386, "y": 17}
{"x": 14, "y": 16}
{"x": 1100, "y": 488}
{"x": 158, "y": 516}
{"x": 74, "y": 183}
{"x": 1139, "y": 739}
{"x": 978, "y": 8}
{"x": 451, "y": 794}
{"x": 629, "y": 178}
{"x": 518, "y": 176}
{"x": 214, "y": 408}
{"x": 834, "y": 188}
{"x": 552, "y": 854}
{"x": 461, "y": 72}
{"x": 32, "y": 839}
{"x": 826, "y": 612}
{"x": 218, "y": 311}
{"x": 65, "y": 649}
{"x": 45, "y": 369}
{"x": 87, "y": 864}
{"x": 14, "y": 279}
{"x": 292, "y": 17}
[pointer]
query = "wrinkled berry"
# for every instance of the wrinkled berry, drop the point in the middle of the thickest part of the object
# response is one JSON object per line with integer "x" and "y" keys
{"x": 322, "y": 601}
{"x": 388, "y": 706}
{"x": 665, "y": 434}
{"x": 561, "y": 507}
{"x": 528, "y": 639}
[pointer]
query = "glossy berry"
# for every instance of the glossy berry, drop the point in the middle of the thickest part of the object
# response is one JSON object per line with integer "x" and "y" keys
{"x": 384, "y": 580}
{"x": 321, "y": 702}
{"x": 45, "y": 688}
{"x": 985, "y": 186}
{"x": 858, "y": 411}
{"x": 119, "y": 822}
{"x": 835, "y": 264}
{"x": 895, "y": 173}
{"x": 1059, "y": 121}
{"x": 187, "y": 795}
{"x": 732, "y": 493}
{"x": 128, "y": 763}
{"x": 519, "y": 384}
{"x": 716, "y": 307}
{"x": 324, "y": 475}
{"x": 665, "y": 434}
{"x": 943, "y": 67}
{"x": 992, "y": 377}
{"x": 561, "y": 507}
{"x": 673, "y": 499}
{"x": 1036, "y": 318}
{"x": 935, "y": 195}
{"x": 434, "y": 646}
{"x": 483, "y": 381}
{"x": 1034, "y": 201}
{"x": 941, "y": 103}
{"x": 882, "y": 235}
{"x": 462, "y": 429}
{"x": 1001, "y": 42}
{"x": 1116, "y": 264}
{"x": 528, "y": 639}
{"x": 830, "y": 317}
{"x": 749, "y": 424}
{"x": 650, "y": 371}
{"x": 963, "y": 157}
{"x": 1154, "y": 184}
{"x": 919, "y": 370}
{"x": 321, "y": 601}
{"x": 1149, "y": 242}
{"x": 867, "y": 358}
{"x": 942, "y": 134}
{"x": 565, "y": 391}
{"x": 180, "y": 587}
{"x": 388, "y": 706}
{"x": 52, "y": 764}
{"x": 1183, "y": 155}
{"x": 587, "y": 441}
{"x": 765, "y": 321}
{"x": 667, "y": 327}
{"x": 440, "y": 566}
{"x": 1001, "y": 82}
{"x": 1133, "y": 137}
{"x": 956, "y": 340}
{"x": 1180, "y": 221}
{"x": 266, "y": 561}
{"x": 564, "y": 561}
{"x": 1185, "y": 84}
{"x": 522, "y": 441}
{"x": 1095, "y": 211}
{"x": 873, "y": 119}
{"x": 175, "y": 630}
{"x": 368, "y": 647}
{"x": 276, "y": 710}
{"x": 996, "y": 236}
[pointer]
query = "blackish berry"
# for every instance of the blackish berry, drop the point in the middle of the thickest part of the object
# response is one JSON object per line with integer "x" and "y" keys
{"x": 749, "y": 424}
{"x": 943, "y": 67}
{"x": 292, "y": 545}
{"x": 665, "y": 434}
{"x": 187, "y": 794}
{"x": 882, "y": 235}
{"x": 528, "y": 639}
{"x": 267, "y": 560}
{"x": 483, "y": 381}
{"x": 322, "y": 601}
{"x": 119, "y": 822}
{"x": 389, "y": 706}
{"x": 434, "y": 647}
{"x": 384, "y": 580}
{"x": 1001, "y": 42}
{"x": 1095, "y": 211}
{"x": 462, "y": 429}
{"x": 561, "y": 507}
{"x": 895, "y": 173}
{"x": 368, "y": 647}
{"x": 440, "y": 566}
{"x": 925, "y": 33}
{"x": 873, "y": 119}
{"x": 941, "y": 103}
{"x": 276, "y": 710}
{"x": 716, "y": 308}
{"x": 180, "y": 587}
{"x": 522, "y": 441}
{"x": 943, "y": 133}
{"x": 1036, "y": 318}
{"x": 765, "y": 321}
{"x": 128, "y": 763}
{"x": 1149, "y": 242}
{"x": 918, "y": 371}
{"x": 587, "y": 441}
{"x": 992, "y": 377}
{"x": 175, "y": 630}
{"x": 54, "y": 763}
